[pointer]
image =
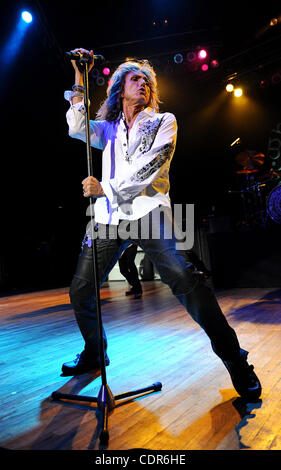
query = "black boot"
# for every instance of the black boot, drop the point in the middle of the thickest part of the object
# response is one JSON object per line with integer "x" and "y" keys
{"x": 136, "y": 291}
{"x": 205, "y": 310}
{"x": 244, "y": 379}
{"x": 80, "y": 365}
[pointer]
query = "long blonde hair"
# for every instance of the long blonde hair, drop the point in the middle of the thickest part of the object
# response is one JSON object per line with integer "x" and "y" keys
{"x": 112, "y": 106}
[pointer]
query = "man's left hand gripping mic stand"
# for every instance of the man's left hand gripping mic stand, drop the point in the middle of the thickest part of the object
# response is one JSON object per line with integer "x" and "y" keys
{"x": 105, "y": 399}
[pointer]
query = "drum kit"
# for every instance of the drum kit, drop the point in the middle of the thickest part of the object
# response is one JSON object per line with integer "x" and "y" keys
{"x": 259, "y": 191}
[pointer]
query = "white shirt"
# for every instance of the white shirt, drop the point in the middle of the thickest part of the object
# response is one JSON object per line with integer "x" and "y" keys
{"x": 135, "y": 169}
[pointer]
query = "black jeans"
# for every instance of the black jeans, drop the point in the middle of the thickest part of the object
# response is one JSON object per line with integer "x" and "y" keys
{"x": 175, "y": 269}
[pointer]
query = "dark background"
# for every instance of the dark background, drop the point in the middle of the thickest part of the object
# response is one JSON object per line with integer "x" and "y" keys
{"x": 43, "y": 211}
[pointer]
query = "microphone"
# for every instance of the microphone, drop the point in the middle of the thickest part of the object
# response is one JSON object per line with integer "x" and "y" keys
{"x": 84, "y": 56}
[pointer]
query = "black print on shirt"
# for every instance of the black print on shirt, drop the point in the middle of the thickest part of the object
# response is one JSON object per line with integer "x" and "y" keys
{"x": 148, "y": 131}
{"x": 162, "y": 156}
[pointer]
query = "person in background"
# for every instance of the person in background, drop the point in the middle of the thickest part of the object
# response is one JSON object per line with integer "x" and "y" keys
{"x": 129, "y": 270}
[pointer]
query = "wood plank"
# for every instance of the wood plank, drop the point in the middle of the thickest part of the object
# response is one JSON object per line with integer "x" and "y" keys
{"x": 152, "y": 339}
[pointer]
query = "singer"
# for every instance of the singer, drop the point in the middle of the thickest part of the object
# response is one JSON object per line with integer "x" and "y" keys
{"x": 137, "y": 142}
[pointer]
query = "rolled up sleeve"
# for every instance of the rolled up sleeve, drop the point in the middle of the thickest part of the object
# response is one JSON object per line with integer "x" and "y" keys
{"x": 76, "y": 120}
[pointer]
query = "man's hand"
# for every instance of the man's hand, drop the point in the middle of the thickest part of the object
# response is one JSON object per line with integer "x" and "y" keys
{"x": 92, "y": 187}
{"x": 74, "y": 63}
{"x": 79, "y": 75}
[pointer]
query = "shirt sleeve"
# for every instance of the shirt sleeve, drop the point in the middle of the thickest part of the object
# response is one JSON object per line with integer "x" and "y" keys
{"x": 76, "y": 118}
{"x": 146, "y": 168}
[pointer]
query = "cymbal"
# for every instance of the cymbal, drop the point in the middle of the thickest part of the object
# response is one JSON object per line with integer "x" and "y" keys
{"x": 258, "y": 159}
{"x": 249, "y": 159}
{"x": 246, "y": 172}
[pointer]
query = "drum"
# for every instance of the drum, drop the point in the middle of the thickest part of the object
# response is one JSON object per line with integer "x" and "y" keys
{"x": 273, "y": 204}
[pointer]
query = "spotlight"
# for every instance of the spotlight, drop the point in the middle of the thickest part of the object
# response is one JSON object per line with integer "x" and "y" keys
{"x": 100, "y": 81}
{"x": 238, "y": 92}
{"x": 204, "y": 67}
{"x": 276, "y": 78}
{"x": 273, "y": 22}
{"x": 191, "y": 56}
{"x": 214, "y": 64}
{"x": 202, "y": 54}
{"x": 26, "y": 16}
{"x": 235, "y": 142}
{"x": 15, "y": 40}
{"x": 106, "y": 71}
{"x": 229, "y": 87}
{"x": 178, "y": 58}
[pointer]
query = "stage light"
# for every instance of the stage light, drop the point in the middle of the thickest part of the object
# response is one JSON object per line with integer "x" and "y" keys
{"x": 235, "y": 142}
{"x": 26, "y": 16}
{"x": 238, "y": 92}
{"x": 13, "y": 44}
{"x": 202, "y": 54}
{"x": 214, "y": 64}
{"x": 276, "y": 78}
{"x": 191, "y": 56}
{"x": 100, "y": 81}
{"x": 229, "y": 87}
{"x": 273, "y": 22}
{"x": 178, "y": 58}
{"x": 204, "y": 67}
{"x": 106, "y": 71}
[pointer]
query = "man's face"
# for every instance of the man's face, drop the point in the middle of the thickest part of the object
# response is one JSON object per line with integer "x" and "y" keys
{"x": 136, "y": 89}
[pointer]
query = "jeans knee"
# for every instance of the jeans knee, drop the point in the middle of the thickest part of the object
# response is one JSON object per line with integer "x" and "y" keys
{"x": 80, "y": 291}
{"x": 184, "y": 282}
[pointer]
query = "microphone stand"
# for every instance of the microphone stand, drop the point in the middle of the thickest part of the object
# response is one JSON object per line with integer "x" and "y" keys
{"x": 105, "y": 399}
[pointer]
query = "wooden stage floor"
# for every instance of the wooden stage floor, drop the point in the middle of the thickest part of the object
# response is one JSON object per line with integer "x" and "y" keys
{"x": 152, "y": 339}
